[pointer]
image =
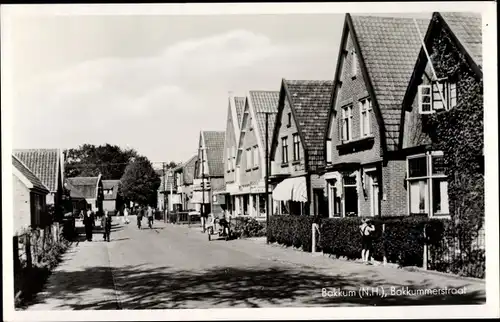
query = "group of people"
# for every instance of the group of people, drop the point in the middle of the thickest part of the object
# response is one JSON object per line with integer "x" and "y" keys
{"x": 89, "y": 219}
{"x": 145, "y": 212}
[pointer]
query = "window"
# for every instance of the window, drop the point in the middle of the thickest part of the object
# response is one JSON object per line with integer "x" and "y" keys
{"x": 328, "y": 151}
{"x": 347, "y": 123}
{"x": 365, "y": 107}
{"x": 262, "y": 204}
{"x": 350, "y": 196}
{"x": 428, "y": 185}
{"x": 229, "y": 159}
{"x": 296, "y": 147}
{"x": 334, "y": 199}
{"x": 284, "y": 150}
{"x": 233, "y": 155}
{"x": 289, "y": 120}
{"x": 354, "y": 63}
{"x": 373, "y": 193}
{"x": 249, "y": 158}
{"x": 256, "y": 156}
{"x": 438, "y": 96}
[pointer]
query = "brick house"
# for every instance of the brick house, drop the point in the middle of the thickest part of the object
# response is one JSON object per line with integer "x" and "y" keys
{"x": 92, "y": 189}
{"x": 112, "y": 200}
{"x": 171, "y": 203}
{"x": 297, "y": 150}
{"x": 183, "y": 177}
{"x": 30, "y": 197}
{"x": 251, "y": 156}
{"x": 365, "y": 171}
{"x": 231, "y": 177}
{"x": 209, "y": 173}
{"x": 48, "y": 166}
{"x": 453, "y": 42}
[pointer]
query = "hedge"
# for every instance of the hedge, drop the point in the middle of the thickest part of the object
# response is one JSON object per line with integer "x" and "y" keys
{"x": 401, "y": 241}
{"x": 291, "y": 230}
{"x": 247, "y": 227}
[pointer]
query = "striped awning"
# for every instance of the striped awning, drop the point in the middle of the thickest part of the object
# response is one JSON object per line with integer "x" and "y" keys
{"x": 291, "y": 189}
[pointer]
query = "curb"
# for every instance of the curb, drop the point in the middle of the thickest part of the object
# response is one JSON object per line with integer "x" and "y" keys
{"x": 388, "y": 265}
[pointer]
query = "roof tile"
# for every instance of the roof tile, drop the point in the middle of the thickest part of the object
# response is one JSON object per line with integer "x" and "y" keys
{"x": 310, "y": 100}
{"x": 43, "y": 163}
{"x": 265, "y": 102}
{"x": 214, "y": 142}
{"x": 25, "y": 171}
{"x": 389, "y": 47}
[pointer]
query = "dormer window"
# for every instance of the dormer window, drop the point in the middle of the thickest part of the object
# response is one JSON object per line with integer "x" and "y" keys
{"x": 440, "y": 95}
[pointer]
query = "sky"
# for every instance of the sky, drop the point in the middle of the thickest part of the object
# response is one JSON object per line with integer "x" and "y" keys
{"x": 153, "y": 82}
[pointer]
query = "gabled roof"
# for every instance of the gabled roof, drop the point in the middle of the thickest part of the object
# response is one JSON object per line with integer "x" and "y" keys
{"x": 213, "y": 141}
{"x": 44, "y": 163}
{"x": 310, "y": 105}
{"x": 188, "y": 170}
{"x": 387, "y": 49}
{"x": 86, "y": 185}
{"x": 169, "y": 184}
{"x": 74, "y": 192}
{"x": 34, "y": 181}
{"x": 258, "y": 104}
{"x": 240, "y": 106}
{"x": 467, "y": 28}
{"x": 111, "y": 184}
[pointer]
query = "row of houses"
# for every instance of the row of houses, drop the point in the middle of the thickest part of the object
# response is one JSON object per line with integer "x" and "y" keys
{"x": 39, "y": 184}
{"x": 351, "y": 146}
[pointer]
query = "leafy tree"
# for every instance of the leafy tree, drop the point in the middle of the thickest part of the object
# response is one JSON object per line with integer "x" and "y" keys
{"x": 140, "y": 182}
{"x": 88, "y": 161}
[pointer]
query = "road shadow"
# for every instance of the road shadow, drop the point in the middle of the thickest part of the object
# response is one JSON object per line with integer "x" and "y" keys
{"x": 143, "y": 287}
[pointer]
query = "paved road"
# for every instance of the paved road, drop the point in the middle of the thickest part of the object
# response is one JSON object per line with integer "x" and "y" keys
{"x": 176, "y": 267}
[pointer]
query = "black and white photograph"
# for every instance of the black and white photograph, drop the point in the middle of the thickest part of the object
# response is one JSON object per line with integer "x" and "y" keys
{"x": 322, "y": 160}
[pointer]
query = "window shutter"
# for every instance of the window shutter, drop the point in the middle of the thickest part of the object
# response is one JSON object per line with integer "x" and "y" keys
{"x": 329, "y": 151}
{"x": 439, "y": 103}
{"x": 424, "y": 99}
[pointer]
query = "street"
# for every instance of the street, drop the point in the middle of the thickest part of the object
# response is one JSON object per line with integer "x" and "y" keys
{"x": 174, "y": 267}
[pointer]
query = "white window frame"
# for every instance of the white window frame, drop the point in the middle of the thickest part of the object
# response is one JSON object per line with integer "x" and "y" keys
{"x": 346, "y": 118}
{"x": 354, "y": 63}
{"x": 448, "y": 90}
{"x": 355, "y": 185}
{"x": 365, "y": 108}
{"x": 374, "y": 199}
{"x": 429, "y": 178}
{"x": 296, "y": 146}
{"x": 249, "y": 158}
{"x": 329, "y": 156}
{"x": 284, "y": 156}
{"x": 255, "y": 162}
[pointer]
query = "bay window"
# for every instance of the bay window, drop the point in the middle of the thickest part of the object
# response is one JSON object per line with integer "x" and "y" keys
{"x": 428, "y": 185}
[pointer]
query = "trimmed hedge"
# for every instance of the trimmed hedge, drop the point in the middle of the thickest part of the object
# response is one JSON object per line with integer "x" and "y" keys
{"x": 401, "y": 242}
{"x": 291, "y": 230}
{"x": 244, "y": 227}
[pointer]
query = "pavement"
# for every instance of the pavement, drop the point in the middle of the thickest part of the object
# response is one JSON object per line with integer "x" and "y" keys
{"x": 173, "y": 267}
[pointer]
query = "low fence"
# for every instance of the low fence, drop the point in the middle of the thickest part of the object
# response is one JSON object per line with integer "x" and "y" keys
{"x": 184, "y": 218}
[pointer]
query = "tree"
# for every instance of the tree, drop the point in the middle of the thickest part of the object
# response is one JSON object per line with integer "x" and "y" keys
{"x": 88, "y": 161}
{"x": 140, "y": 182}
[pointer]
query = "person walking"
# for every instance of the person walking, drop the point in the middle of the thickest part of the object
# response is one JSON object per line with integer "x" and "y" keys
{"x": 139, "y": 217}
{"x": 88, "y": 222}
{"x": 150, "y": 217}
{"x": 106, "y": 225}
{"x": 125, "y": 215}
{"x": 366, "y": 228}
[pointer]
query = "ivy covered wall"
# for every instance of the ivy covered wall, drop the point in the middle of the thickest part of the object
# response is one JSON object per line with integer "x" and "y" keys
{"x": 459, "y": 133}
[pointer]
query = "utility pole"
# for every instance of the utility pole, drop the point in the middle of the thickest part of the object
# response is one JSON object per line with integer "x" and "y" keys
{"x": 164, "y": 192}
{"x": 267, "y": 177}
